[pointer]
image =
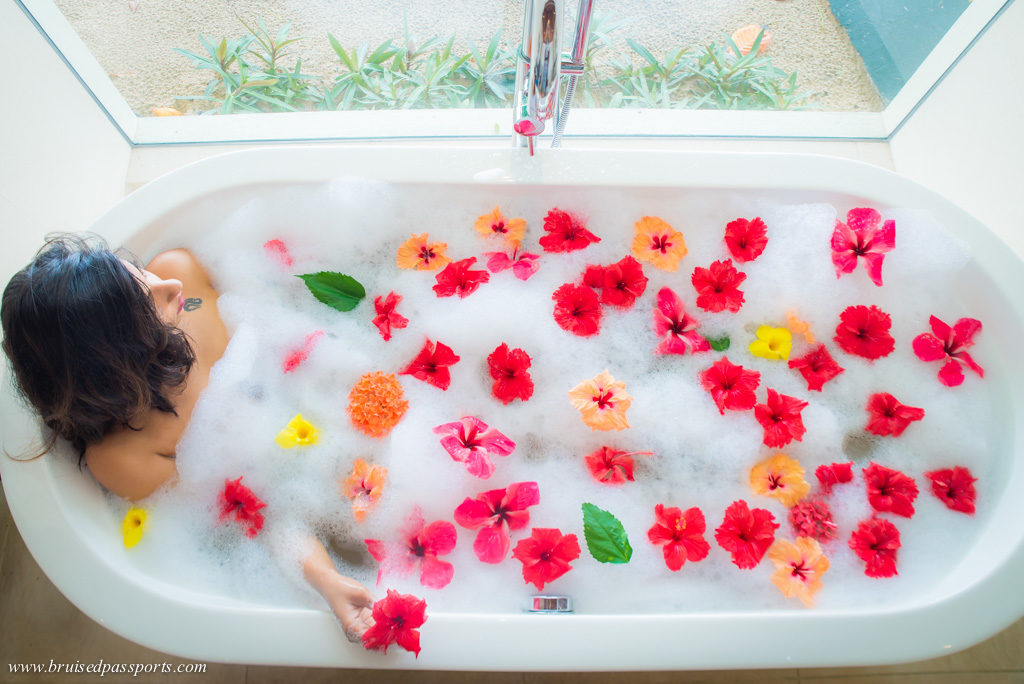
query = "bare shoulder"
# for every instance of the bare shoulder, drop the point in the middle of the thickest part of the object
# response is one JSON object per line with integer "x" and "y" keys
{"x": 179, "y": 264}
{"x": 129, "y": 464}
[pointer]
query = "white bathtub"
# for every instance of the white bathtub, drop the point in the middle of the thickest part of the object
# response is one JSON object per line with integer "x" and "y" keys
{"x": 66, "y": 524}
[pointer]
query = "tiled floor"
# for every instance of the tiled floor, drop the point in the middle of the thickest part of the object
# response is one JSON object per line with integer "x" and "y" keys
{"x": 38, "y": 624}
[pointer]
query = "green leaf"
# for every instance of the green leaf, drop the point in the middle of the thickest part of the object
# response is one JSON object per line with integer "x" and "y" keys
{"x": 718, "y": 343}
{"x": 606, "y": 539}
{"x": 336, "y": 290}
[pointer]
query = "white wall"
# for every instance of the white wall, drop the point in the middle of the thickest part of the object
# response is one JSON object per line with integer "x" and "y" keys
{"x": 62, "y": 163}
{"x": 966, "y": 141}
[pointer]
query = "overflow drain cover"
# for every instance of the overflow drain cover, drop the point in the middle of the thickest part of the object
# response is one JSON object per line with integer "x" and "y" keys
{"x": 550, "y": 604}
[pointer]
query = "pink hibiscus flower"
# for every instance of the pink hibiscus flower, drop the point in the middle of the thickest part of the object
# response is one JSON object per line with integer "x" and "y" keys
{"x": 731, "y": 386}
{"x": 681, "y": 535}
{"x": 420, "y": 546}
{"x": 470, "y": 440}
{"x": 432, "y": 363}
{"x": 457, "y": 278}
{"x": 523, "y": 264}
{"x": 677, "y": 329}
{"x": 889, "y": 416}
{"x": 495, "y": 513}
{"x": 949, "y": 345}
{"x": 861, "y": 237}
{"x": 546, "y": 555}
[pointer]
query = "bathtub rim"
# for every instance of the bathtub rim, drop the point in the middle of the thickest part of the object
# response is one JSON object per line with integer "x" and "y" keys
{"x": 32, "y": 485}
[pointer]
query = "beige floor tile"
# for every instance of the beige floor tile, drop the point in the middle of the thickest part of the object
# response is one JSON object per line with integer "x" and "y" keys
{"x": 38, "y": 625}
{"x": 287, "y": 675}
{"x": 6, "y": 523}
{"x": 923, "y": 678}
{"x": 743, "y": 676}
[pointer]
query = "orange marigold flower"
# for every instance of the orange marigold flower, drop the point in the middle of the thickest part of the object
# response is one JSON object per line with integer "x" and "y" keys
{"x": 364, "y": 485}
{"x": 417, "y": 253}
{"x": 780, "y": 476}
{"x": 512, "y": 231}
{"x": 657, "y": 243}
{"x": 798, "y": 326}
{"x": 602, "y": 402}
{"x": 799, "y": 568}
{"x": 376, "y": 404}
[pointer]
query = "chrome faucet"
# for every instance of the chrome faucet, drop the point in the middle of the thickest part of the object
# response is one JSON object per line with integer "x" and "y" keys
{"x": 540, "y": 68}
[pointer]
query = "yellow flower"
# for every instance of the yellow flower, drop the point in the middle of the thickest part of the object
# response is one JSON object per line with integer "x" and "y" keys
{"x": 798, "y": 326}
{"x": 364, "y": 485}
{"x": 602, "y": 402}
{"x": 772, "y": 343}
{"x": 494, "y": 224}
{"x": 780, "y": 476}
{"x": 657, "y": 243}
{"x": 298, "y": 432}
{"x": 133, "y": 526}
{"x": 417, "y": 253}
{"x": 799, "y": 568}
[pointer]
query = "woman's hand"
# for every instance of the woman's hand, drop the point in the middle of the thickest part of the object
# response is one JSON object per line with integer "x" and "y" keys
{"x": 352, "y": 604}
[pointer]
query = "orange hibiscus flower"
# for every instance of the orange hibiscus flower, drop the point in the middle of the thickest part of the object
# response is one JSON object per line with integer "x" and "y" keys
{"x": 417, "y": 253}
{"x": 495, "y": 224}
{"x": 364, "y": 485}
{"x": 602, "y": 402}
{"x": 799, "y": 568}
{"x": 657, "y": 243}
{"x": 780, "y": 476}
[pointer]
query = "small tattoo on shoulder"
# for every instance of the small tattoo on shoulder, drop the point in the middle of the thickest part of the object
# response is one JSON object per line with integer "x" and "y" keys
{"x": 193, "y": 303}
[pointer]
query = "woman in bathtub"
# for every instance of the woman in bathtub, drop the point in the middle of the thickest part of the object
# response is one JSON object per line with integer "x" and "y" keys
{"x": 113, "y": 356}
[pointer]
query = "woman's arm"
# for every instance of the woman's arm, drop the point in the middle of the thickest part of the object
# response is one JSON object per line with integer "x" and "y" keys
{"x": 350, "y": 601}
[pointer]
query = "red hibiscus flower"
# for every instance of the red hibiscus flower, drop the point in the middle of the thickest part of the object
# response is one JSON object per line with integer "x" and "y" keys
{"x": 950, "y": 346}
{"x": 746, "y": 534}
{"x": 278, "y": 251}
{"x": 297, "y": 356}
{"x": 890, "y": 491}
{"x": 677, "y": 329}
{"x": 395, "y": 621}
{"x": 780, "y": 418}
{"x": 511, "y": 372}
{"x": 457, "y": 279}
{"x": 718, "y": 287}
{"x": 861, "y": 237}
{"x": 593, "y": 277}
{"x": 523, "y": 264}
{"x": 577, "y": 310}
{"x": 864, "y": 331}
{"x": 746, "y": 239}
{"x": 812, "y": 518}
{"x": 622, "y": 282}
{"x": 238, "y": 500}
{"x": 387, "y": 317}
{"x": 730, "y": 385}
{"x": 817, "y": 366}
{"x": 470, "y": 440}
{"x": 889, "y": 416}
{"x": 831, "y": 475}
{"x": 875, "y": 541}
{"x": 681, "y": 535}
{"x": 495, "y": 513}
{"x": 565, "y": 232}
{"x": 431, "y": 365}
{"x": 421, "y": 545}
{"x": 955, "y": 488}
{"x": 612, "y": 466}
{"x": 546, "y": 555}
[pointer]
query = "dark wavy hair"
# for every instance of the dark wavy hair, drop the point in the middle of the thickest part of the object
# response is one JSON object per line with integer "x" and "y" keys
{"x": 86, "y": 346}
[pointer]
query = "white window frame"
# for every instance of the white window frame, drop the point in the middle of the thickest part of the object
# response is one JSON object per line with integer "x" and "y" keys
{"x": 490, "y": 123}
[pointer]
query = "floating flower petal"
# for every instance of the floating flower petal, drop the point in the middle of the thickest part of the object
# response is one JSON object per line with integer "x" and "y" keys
{"x": 602, "y": 402}
{"x": 546, "y": 555}
{"x": 396, "y": 618}
{"x": 365, "y": 485}
{"x": 387, "y": 318}
{"x": 718, "y": 287}
{"x": 431, "y": 365}
{"x": 239, "y": 501}
{"x": 495, "y": 224}
{"x": 420, "y": 547}
{"x": 875, "y": 541}
{"x": 133, "y": 526}
{"x": 954, "y": 487}
{"x": 278, "y": 251}
{"x": 470, "y": 440}
{"x": 890, "y": 491}
{"x": 817, "y": 366}
{"x": 799, "y": 568}
{"x": 889, "y": 416}
{"x": 577, "y": 310}
{"x": 510, "y": 370}
{"x": 495, "y": 513}
{"x": 831, "y": 475}
{"x": 624, "y": 281}
{"x": 523, "y": 264}
{"x": 676, "y": 328}
{"x": 780, "y": 418}
{"x": 297, "y": 356}
{"x": 860, "y": 237}
{"x": 731, "y": 386}
{"x": 745, "y": 239}
{"x": 657, "y": 243}
{"x": 376, "y": 404}
{"x": 681, "y": 535}
{"x": 418, "y": 253}
{"x": 949, "y": 345}
{"x": 781, "y": 477}
{"x": 298, "y": 432}
{"x": 612, "y": 466}
{"x": 746, "y": 534}
{"x": 773, "y": 344}
{"x": 457, "y": 278}
{"x": 864, "y": 331}
{"x": 813, "y": 518}
{"x": 565, "y": 233}
{"x": 798, "y": 326}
